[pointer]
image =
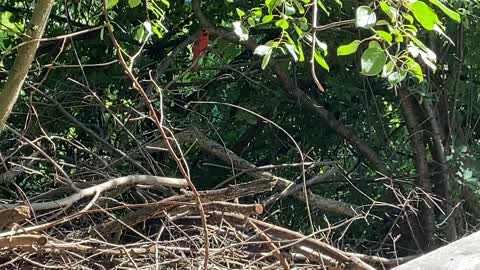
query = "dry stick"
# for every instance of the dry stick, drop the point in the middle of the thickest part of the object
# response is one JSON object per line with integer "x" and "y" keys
{"x": 271, "y": 245}
{"x": 193, "y": 135}
{"x": 302, "y": 159}
{"x": 181, "y": 162}
{"x": 111, "y": 184}
{"x": 152, "y": 210}
{"x": 270, "y": 167}
{"x": 307, "y": 241}
{"x": 110, "y": 147}
{"x": 54, "y": 163}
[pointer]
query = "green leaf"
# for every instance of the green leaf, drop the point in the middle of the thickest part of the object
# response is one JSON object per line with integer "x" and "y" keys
{"x": 375, "y": 44}
{"x": 291, "y": 50}
{"x": 301, "y": 56}
{"x": 349, "y": 48}
{"x": 166, "y": 3}
{"x": 134, "y": 3}
{"x": 240, "y": 31}
{"x": 240, "y": 13}
{"x": 424, "y": 14}
{"x": 262, "y": 50}
{"x": 372, "y": 61}
{"x": 257, "y": 12}
{"x": 270, "y": 5}
{"x": 396, "y": 77}
{"x": 319, "y": 59}
{"x": 139, "y": 34}
{"x": 365, "y": 17}
{"x": 450, "y": 13}
{"x": 251, "y": 21}
{"x": 112, "y": 3}
{"x": 387, "y": 9}
{"x": 303, "y": 24}
{"x": 388, "y": 69}
{"x": 267, "y": 18}
{"x": 298, "y": 30}
{"x": 299, "y": 6}
{"x": 289, "y": 10}
{"x": 408, "y": 17}
{"x": 415, "y": 68}
{"x": 385, "y": 36}
{"x": 266, "y": 59}
{"x": 322, "y": 6}
{"x": 282, "y": 23}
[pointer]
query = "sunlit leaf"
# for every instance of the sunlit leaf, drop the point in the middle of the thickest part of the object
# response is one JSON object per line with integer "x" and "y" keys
{"x": 291, "y": 50}
{"x": 424, "y": 15}
{"x": 266, "y": 59}
{"x": 262, "y": 50}
{"x": 385, "y": 36}
{"x": 301, "y": 56}
{"x": 322, "y": 6}
{"x": 240, "y": 31}
{"x": 388, "y": 69}
{"x": 270, "y": 5}
{"x": 282, "y": 23}
{"x": 373, "y": 44}
{"x": 349, "y": 48}
{"x": 111, "y": 3}
{"x": 390, "y": 11}
{"x": 415, "y": 68}
{"x": 240, "y": 13}
{"x": 365, "y": 17}
{"x": 450, "y": 13}
{"x": 267, "y": 18}
{"x": 134, "y": 3}
{"x": 396, "y": 77}
{"x": 321, "y": 61}
{"x": 148, "y": 27}
{"x": 439, "y": 30}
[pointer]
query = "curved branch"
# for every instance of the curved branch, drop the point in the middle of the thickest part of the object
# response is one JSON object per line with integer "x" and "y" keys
{"x": 111, "y": 184}
{"x": 24, "y": 59}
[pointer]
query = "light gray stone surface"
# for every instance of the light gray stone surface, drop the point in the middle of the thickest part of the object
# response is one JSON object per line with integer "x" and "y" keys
{"x": 463, "y": 254}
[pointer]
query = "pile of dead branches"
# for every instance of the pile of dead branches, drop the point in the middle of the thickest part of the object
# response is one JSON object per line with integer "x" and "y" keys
{"x": 86, "y": 230}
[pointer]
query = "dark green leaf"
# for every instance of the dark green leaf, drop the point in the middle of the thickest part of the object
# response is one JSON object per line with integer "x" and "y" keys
{"x": 372, "y": 61}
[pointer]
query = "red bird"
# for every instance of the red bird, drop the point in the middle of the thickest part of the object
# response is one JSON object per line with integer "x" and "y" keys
{"x": 201, "y": 44}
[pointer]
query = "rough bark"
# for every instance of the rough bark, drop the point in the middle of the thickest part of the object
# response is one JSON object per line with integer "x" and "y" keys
{"x": 439, "y": 155}
{"x": 426, "y": 214}
{"x": 24, "y": 59}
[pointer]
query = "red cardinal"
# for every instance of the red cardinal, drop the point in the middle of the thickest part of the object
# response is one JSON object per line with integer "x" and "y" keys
{"x": 201, "y": 44}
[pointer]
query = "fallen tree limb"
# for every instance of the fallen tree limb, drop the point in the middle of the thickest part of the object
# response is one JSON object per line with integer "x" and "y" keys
{"x": 193, "y": 135}
{"x": 148, "y": 212}
{"x": 100, "y": 188}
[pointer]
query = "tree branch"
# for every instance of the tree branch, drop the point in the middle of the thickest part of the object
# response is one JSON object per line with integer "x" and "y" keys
{"x": 24, "y": 59}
